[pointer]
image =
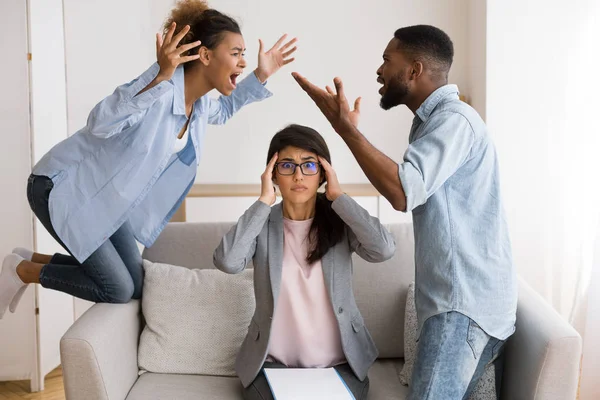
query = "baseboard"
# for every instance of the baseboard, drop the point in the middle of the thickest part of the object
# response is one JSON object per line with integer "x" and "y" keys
{"x": 5, "y": 378}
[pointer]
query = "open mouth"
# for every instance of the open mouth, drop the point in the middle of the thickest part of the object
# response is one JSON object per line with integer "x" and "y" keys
{"x": 233, "y": 79}
{"x": 381, "y": 82}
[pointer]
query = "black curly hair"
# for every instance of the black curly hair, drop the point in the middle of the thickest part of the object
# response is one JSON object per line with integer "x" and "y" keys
{"x": 206, "y": 24}
{"x": 427, "y": 43}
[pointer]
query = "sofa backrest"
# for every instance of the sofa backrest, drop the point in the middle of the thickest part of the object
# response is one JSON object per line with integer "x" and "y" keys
{"x": 380, "y": 289}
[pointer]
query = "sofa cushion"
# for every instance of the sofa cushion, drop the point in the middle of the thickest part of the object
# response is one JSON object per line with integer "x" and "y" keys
{"x": 383, "y": 377}
{"x": 184, "y": 243}
{"x": 380, "y": 291}
{"x": 383, "y": 380}
{"x": 152, "y": 386}
{"x": 486, "y": 387}
{"x": 196, "y": 319}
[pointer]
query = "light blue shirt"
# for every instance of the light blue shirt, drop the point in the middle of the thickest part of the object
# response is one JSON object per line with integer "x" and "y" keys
{"x": 463, "y": 254}
{"x": 121, "y": 165}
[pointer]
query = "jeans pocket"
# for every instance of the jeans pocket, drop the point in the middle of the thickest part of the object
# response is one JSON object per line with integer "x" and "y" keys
{"x": 497, "y": 350}
{"x": 30, "y": 182}
{"x": 49, "y": 186}
{"x": 477, "y": 339}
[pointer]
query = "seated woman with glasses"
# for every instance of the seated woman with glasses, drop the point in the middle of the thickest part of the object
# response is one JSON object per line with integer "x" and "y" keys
{"x": 301, "y": 248}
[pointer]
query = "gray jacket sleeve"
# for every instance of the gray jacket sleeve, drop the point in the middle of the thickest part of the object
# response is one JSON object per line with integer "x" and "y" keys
{"x": 239, "y": 244}
{"x": 366, "y": 235}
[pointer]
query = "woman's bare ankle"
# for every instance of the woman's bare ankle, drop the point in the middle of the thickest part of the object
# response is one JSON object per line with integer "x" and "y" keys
{"x": 29, "y": 272}
{"x": 39, "y": 258}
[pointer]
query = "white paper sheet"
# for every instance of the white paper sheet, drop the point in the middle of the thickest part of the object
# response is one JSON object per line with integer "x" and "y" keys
{"x": 307, "y": 383}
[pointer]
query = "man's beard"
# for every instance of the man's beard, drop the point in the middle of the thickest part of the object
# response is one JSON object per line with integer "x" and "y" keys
{"x": 394, "y": 95}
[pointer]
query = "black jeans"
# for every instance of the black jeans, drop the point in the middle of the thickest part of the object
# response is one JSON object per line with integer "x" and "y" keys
{"x": 111, "y": 274}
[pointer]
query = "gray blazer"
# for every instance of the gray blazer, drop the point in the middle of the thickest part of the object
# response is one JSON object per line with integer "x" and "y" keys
{"x": 258, "y": 236}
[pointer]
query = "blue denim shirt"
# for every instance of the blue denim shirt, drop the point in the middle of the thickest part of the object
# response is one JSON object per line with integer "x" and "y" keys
{"x": 463, "y": 254}
{"x": 121, "y": 165}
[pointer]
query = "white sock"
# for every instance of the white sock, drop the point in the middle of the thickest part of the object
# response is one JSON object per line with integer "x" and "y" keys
{"x": 23, "y": 252}
{"x": 11, "y": 286}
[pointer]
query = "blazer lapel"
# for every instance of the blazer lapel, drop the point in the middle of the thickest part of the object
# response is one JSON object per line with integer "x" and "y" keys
{"x": 275, "y": 249}
{"x": 328, "y": 271}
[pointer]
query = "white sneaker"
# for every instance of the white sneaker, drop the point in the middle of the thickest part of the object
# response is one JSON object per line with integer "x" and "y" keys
{"x": 11, "y": 286}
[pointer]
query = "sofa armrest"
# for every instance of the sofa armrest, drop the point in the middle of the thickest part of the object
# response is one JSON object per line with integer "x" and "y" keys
{"x": 99, "y": 352}
{"x": 543, "y": 356}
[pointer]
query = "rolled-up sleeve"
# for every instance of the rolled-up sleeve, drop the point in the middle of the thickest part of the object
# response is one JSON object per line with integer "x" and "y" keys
{"x": 435, "y": 156}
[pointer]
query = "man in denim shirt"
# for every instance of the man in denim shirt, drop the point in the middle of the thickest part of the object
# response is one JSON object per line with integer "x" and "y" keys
{"x": 466, "y": 286}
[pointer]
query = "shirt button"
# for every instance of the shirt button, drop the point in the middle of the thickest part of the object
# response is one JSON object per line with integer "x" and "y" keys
{"x": 340, "y": 310}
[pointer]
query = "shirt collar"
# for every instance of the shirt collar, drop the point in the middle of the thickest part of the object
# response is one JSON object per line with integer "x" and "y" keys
{"x": 178, "y": 80}
{"x": 179, "y": 94}
{"x": 441, "y": 93}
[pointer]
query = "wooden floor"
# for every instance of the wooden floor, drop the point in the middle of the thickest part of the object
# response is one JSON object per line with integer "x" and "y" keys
{"x": 19, "y": 390}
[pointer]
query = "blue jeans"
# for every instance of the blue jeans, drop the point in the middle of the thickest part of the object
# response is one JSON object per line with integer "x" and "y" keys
{"x": 452, "y": 354}
{"x": 112, "y": 274}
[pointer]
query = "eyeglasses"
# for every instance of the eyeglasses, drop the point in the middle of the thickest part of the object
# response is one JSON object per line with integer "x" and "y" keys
{"x": 289, "y": 168}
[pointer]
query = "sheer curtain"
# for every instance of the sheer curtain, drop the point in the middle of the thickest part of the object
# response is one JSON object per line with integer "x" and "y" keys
{"x": 543, "y": 110}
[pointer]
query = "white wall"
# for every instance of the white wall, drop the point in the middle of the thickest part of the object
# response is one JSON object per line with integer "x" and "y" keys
{"x": 476, "y": 41}
{"x": 49, "y": 110}
{"x": 338, "y": 37}
{"x": 17, "y": 361}
{"x": 105, "y": 48}
{"x": 542, "y": 106}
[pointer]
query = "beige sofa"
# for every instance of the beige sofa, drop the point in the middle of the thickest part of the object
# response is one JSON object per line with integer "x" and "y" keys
{"x": 99, "y": 352}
